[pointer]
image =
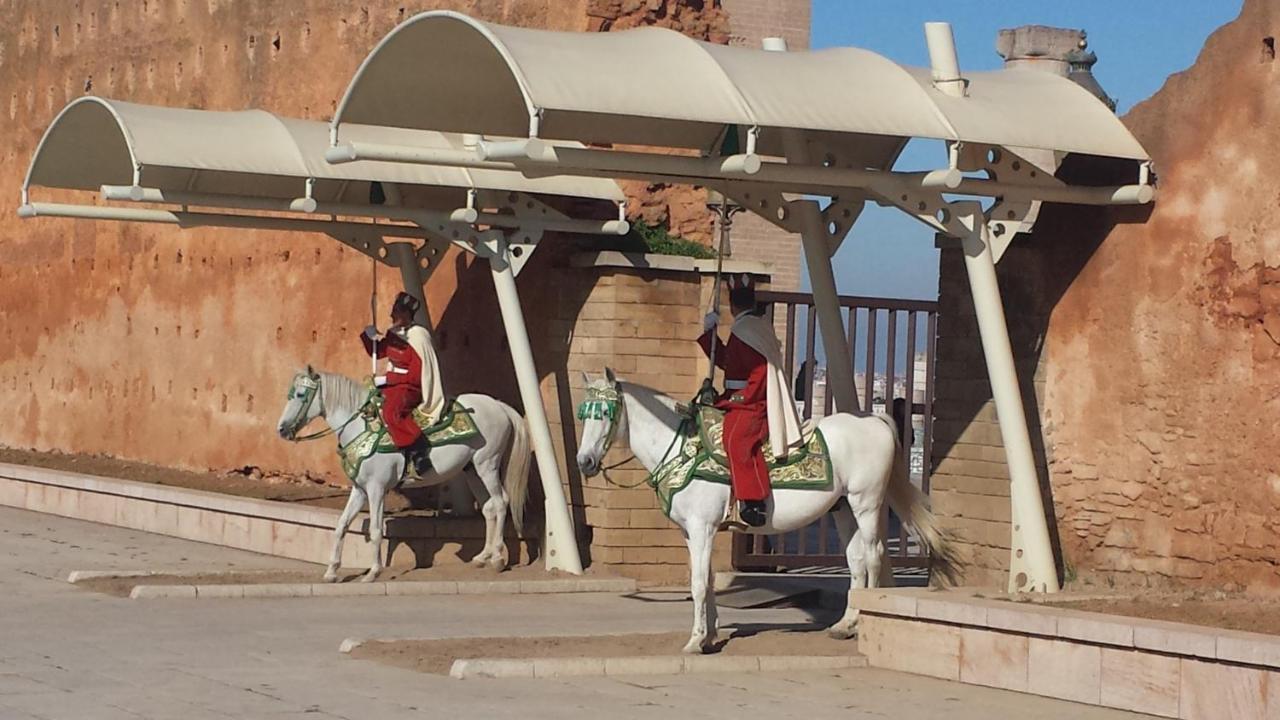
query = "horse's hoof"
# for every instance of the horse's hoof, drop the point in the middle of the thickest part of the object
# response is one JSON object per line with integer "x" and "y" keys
{"x": 478, "y": 562}
{"x": 695, "y": 647}
{"x": 497, "y": 565}
{"x": 842, "y": 631}
{"x": 330, "y": 577}
{"x": 369, "y": 577}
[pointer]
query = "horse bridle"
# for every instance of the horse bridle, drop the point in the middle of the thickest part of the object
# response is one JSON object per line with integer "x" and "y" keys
{"x": 310, "y": 383}
{"x": 605, "y": 403}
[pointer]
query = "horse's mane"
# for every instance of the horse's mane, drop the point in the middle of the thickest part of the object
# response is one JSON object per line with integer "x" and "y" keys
{"x": 341, "y": 393}
{"x": 662, "y": 406}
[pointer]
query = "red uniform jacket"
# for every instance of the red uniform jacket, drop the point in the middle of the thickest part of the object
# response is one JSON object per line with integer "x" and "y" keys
{"x": 745, "y": 371}
{"x": 403, "y": 390}
{"x": 746, "y": 422}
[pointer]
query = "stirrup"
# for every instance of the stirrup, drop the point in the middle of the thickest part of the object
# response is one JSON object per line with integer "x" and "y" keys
{"x": 732, "y": 519}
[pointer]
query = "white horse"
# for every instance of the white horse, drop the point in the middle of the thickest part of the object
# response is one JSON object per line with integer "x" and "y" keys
{"x": 867, "y": 470}
{"x": 499, "y": 456}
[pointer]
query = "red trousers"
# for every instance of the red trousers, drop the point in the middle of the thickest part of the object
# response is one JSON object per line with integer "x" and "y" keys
{"x": 745, "y": 432}
{"x": 398, "y": 402}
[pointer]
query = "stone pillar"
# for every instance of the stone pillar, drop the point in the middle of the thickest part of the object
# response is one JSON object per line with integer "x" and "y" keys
{"x": 1060, "y": 51}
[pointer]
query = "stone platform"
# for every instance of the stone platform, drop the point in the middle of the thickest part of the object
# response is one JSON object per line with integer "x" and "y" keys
{"x": 1161, "y": 668}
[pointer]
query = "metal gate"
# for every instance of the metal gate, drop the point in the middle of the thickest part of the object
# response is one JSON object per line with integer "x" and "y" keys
{"x": 892, "y": 344}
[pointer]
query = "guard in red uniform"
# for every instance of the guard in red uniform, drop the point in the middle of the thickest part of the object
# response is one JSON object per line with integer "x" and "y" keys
{"x": 402, "y": 391}
{"x": 745, "y": 402}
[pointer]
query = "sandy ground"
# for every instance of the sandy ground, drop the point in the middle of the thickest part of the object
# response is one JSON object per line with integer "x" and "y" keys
{"x": 121, "y": 587}
{"x": 1230, "y": 612}
{"x": 437, "y": 656}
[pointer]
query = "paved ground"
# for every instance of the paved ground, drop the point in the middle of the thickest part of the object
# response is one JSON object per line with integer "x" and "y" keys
{"x": 69, "y": 653}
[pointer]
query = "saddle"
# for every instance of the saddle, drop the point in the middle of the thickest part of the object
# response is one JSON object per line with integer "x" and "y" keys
{"x": 700, "y": 455}
{"x": 455, "y": 426}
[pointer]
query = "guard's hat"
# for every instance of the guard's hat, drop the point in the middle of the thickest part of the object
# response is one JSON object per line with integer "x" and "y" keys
{"x": 405, "y": 301}
{"x": 742, "y": 291}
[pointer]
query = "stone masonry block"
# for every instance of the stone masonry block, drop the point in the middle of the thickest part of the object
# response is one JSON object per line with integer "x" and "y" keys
{"x": 974, "y": 485}
{"x": 1212, "y": 691}
{"x": 1064, "y": 670}
{"x": 911, "y": 646}
{"x": 1174, "y": 638}
{"x": 994, "y": 659}
{"x": 1140, "y": 682}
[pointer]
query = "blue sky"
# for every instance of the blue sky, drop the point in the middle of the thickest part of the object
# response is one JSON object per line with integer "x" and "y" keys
{"x": 1138, "y": 42}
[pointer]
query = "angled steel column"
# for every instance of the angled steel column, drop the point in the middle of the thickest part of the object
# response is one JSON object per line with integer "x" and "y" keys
{"x": 561, "y": 548}
{"x": 1031, "y": 565}
{"x": 817, "y": 257}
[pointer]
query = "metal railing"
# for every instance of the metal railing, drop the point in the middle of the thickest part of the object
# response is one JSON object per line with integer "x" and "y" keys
{"x": 892, "y": 344}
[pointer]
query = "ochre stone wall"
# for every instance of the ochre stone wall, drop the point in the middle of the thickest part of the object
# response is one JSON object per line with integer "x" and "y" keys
{"x": 1158, "y": 341}
{"x": 174, "y": 347}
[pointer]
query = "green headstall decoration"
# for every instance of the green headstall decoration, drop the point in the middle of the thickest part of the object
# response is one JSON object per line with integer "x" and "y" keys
{"x": 603, "y": 403}
{"x": 310, "y": 385}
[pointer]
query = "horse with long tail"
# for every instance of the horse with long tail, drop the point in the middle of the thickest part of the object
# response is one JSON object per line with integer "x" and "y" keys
{"x": 867, "y": 469}
{"x": 497, "y": 455}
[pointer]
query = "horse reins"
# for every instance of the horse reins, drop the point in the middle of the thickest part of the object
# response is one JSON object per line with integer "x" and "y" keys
{"x": 313, "y": 391}
{"x": 613, "y": 429}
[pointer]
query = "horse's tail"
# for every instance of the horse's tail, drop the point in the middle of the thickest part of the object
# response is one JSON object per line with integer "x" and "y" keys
{"x": 912, "y": 507}
{"x": 515, "y": 471}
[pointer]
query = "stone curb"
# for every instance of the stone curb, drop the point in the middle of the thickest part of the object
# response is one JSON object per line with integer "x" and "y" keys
{"x": 78, "y": 576}
{"x": 383, "y": 589}
{"x": 476, "y": 668}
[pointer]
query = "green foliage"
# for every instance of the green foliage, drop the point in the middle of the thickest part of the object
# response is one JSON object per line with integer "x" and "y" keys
{"x": 659, "y": 241}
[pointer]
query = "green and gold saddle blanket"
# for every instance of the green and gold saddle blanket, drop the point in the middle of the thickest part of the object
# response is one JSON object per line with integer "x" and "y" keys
{"x": 699, "y": 453}
{"x": 454, "y": 427}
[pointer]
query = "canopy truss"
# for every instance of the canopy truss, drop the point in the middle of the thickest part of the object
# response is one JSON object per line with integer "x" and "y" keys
{"x": 256, "y": 170}
{"x": 762, "y": 126}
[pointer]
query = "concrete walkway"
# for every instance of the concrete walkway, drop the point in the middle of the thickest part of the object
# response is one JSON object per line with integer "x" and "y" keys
{"x": 69, "y": 653}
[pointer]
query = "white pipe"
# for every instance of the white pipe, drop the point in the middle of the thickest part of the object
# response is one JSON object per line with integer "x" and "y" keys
{"x": 439, "y": 220}
{"x": 584, "y": 227}
{"x": 351, "y": 152}
{"x": 817, "y": 257}
{"x": 943, "y": 59}
{"x": 134, "y": 193}
{"x": 466, "y": 215}
{"x": 561, "y": 544}
{"x": 586, "y": 162}
{"x": 540, "y": 152}
{"x": 193, "y": 219}
{"x": 1071, "y": 194}
{"x": 1036, "y": 565}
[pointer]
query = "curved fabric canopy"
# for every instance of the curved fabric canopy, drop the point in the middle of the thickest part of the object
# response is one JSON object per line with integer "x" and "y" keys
{"x": 95, "y": 142}
{"x": 656, "y": 87}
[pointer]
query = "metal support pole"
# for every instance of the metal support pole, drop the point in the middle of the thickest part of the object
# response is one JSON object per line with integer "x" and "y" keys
{"x": 1031, "y": 565}
{"x": 817, "y": 257}
{"x": 561, "y": 548}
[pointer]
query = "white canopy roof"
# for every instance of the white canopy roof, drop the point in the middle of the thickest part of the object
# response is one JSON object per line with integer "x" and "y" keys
{"x": 656, "y": 87}
{"x": 95, "y": 142}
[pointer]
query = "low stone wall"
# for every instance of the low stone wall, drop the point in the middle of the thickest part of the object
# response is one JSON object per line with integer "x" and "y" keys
{"x": 1160, "y": 668}
{"x": 300, "y": 532}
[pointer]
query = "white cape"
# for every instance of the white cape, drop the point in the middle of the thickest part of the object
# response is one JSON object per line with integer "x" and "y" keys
{"x": 784, "y": 422}
{"x": 432, "y": 389}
